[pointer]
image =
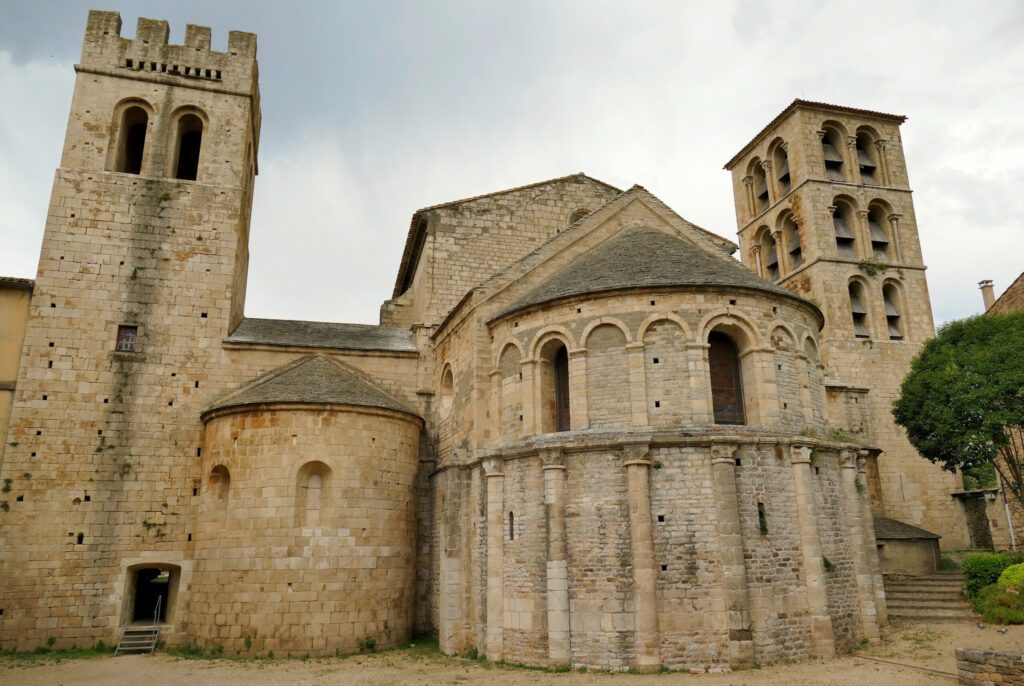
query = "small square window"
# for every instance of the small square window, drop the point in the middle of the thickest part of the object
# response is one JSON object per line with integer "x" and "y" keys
{"x": 126, "y": 337}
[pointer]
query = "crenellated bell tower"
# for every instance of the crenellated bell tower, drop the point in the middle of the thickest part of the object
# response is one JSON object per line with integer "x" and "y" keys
{"x": 142, "y": 274}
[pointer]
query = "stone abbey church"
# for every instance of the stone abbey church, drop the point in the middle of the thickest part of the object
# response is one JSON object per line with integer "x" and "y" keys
{"x": 586, "y": 431}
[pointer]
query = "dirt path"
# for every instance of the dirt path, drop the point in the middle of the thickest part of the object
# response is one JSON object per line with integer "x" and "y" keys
{"x": 926, "y": 645}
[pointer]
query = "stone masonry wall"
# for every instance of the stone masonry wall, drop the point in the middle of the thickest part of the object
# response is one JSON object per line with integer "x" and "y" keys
{"x": 989, "y": 667}
{"x": 688, "y": 560}
{"x": 277, "y": 570}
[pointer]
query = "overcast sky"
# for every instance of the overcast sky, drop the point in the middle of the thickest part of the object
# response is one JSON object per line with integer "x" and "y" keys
{"x": 374, "y": 109}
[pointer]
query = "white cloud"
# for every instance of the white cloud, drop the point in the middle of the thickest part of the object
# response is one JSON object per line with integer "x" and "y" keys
{"x": 657, "y": 94}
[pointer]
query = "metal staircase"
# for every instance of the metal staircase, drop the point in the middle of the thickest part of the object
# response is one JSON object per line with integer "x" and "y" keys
{"x": 141, "y": 639}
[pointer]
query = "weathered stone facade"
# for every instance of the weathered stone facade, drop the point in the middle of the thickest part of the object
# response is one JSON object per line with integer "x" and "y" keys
{"x": 583, "y": 434}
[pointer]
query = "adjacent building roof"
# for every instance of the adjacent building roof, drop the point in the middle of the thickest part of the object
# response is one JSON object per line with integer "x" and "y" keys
{"x": 286, "y": 332}
{"x": 1011, "y": 300}
{"x": 414, "y": 241}
{"x": 314, "y": 379}
{"x": 644, "y": 258}
{"x": 811, "y": 105}
{"x": 893, "y": 528}
{"x": 16, "y": 282}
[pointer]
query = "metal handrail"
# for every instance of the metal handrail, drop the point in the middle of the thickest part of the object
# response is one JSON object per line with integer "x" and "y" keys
{"x": 156, "y": 611}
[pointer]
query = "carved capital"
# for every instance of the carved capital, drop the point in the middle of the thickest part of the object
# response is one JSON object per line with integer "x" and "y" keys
{"x": 800, "y": 454}
{"x": 894, "y": 218}
{"x": 785, "y": 146}
{"x": 766, "y": 165}
{"x": 851, "y": 142}
{"x": 821, "y": 134}
{"x": 577, "y": 353}
{"x": 552, "y": 458}
{"x": 756, "y": 248}
{"x": 880, "y": 144}
{"x": 848, "y": 459}
{"x": 493, "y": 466}
{"x": 636, "y": 453}
{"x": 863, "y": 214}
{"x": 748, "y": 180}
{"x": 724, "y": 452}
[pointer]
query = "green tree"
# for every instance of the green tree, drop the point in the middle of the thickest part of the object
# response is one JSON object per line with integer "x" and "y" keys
{"x": 962, "y": 403}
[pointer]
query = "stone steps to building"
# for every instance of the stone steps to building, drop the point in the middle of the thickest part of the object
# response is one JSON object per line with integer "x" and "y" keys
{"x": 933, "y": 598}
{"x": 138, "y": 640}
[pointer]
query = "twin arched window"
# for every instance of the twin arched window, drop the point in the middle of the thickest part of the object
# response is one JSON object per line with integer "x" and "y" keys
{"x": 892, "y": 302}
{"x": 132, "y": 133}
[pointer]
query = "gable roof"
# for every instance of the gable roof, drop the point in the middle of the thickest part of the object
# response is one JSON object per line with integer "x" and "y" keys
{"x": 894, "y": 528}
{"x": 295, "y": 333}
{"x": 809, "y": 105}
{"x": 313, "y": 379}
{"x": 1011, "y": 300}
{"x": 414, "y": 239}
{"x": 642, "y": 257}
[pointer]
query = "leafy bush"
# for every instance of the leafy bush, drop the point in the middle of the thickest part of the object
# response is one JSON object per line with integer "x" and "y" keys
{"x": 1012, "y": 579}
{"x": 984, "y": 570}
{"x": 367, "y": 644}
{"x": 999, "y": 607}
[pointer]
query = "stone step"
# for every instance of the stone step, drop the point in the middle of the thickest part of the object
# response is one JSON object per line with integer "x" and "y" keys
{"x": 930, "y": 613}
{"x": 952, "y": 588}
{"x": 954, "y": 603}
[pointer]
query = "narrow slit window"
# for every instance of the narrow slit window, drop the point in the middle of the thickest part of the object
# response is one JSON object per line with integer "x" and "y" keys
{"x": 879, "y": 238}
{"x": 893, "y": 318}
{"x": 511, "y": 526}
{"x": 134, "y": 125}
{"x": 127, "y": 337}
{"x": 866, "y": 160}
{"x": 833, "y": 159}
{"x": 845, "y": 241}
{"x": 726, "y": 380}
{"x": 189, "y": 144}
{"x": 858, "y": 311}
{"x": 793, "y": 247}
{"x": 762, "y": 519}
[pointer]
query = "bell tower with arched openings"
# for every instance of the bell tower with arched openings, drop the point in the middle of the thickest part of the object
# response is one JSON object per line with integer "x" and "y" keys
{"x": 141, "y": 276}
{"x": 824, "y": 209}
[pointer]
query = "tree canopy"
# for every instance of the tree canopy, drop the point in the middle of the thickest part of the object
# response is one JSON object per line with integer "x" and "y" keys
{"x": 962, "y": 404}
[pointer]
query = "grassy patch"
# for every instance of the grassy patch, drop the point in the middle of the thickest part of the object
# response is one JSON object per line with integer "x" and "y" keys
{"x": 998, "y": 606}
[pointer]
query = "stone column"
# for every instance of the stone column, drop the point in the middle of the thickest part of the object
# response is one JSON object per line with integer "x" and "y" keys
{"x": 579, "y": 417}
{"x": 864, "y": 236}
{"x": 699, "y": 372}
{"x": 822, "y": 637}
{"x": 494, "y": 405}
{"x": 894, "y": 222}
{"x": 854, "y": 524}
{"x": 748, "y": 183}
{"x": 637, "y": 384}
{"x": 781, "y": 252}
{"x": 769, "y": 180}
{"x": 451, "y": 615}
{"x": 495, "y": 559}
{"x": 803, "y": 370}
{"x": 559, "y": 652}
{"x": 530, "y": 389}
{"x": 641, "y": 535}
{"x": 734, "y": 569}
{"x": 883, "y": 163}
{"x": 870, "y": 541}
{"x": 851, "y": 154}
{"x": 755, "y": 250}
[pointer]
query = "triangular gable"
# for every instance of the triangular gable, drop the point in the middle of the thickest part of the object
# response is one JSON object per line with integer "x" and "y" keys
{"x": 312, "y": 379}
{"x": 634, "y": 207}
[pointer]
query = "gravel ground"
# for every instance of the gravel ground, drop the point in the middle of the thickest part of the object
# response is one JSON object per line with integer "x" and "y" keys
{"x": 924, "y": 645}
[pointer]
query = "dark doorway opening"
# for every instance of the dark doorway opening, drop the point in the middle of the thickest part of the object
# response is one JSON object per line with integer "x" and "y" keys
{"x": 152, "y": 586}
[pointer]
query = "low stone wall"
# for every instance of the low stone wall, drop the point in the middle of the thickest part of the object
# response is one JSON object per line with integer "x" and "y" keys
{"x": 989, "y": 667}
